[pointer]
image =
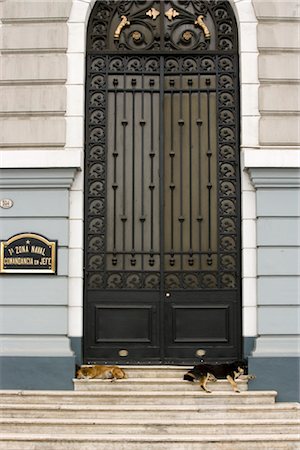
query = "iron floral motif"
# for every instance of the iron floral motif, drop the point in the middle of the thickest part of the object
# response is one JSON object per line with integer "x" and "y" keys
{"x": 153, "y": 13}
{"x": 171, "y": 14}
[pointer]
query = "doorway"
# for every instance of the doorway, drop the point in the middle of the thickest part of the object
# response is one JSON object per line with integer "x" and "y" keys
{"x": 162, "y": 193}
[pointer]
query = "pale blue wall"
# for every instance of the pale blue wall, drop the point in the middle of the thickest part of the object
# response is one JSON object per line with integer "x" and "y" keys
{"x": 276, "y": 356}
{"x": 34, "y": 308}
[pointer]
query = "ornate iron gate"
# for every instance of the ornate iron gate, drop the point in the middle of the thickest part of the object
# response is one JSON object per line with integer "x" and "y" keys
{"x": 162, "y": 209}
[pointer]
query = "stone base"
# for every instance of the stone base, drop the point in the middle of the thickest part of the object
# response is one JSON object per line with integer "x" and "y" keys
{"x": 281, "y": 374}
{"x": 76, "y": 346}
{"x": 31, "y": 373}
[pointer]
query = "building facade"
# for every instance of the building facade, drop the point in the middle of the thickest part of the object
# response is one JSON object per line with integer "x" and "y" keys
{"x": 45, "y": 76}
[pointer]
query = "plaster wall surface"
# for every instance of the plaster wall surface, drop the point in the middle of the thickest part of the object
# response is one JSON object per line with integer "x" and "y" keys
{"x": 278, "y": 41}
{"x": 34, "y": 40}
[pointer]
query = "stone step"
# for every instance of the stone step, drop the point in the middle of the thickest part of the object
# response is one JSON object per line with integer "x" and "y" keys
{"x": 187, "y": 412}
{"x": 150, "y": 426}
{"x": 156, "y": 384}
{"x": 110, "y": 397}
{"x": 11, "y": 441}
{"x": 157, "y": 371}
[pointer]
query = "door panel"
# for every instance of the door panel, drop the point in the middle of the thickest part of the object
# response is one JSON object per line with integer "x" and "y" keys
{"x": 201, "y": 321}
{"x": 162, "y": 209}
{"x": 119, "y": 323}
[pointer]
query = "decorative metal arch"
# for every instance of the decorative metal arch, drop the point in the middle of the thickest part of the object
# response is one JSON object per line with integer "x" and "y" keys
{"x": 162, "y": 26}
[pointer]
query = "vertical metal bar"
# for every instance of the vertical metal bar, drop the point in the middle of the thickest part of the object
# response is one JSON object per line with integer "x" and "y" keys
{"x": 172, "y": 184}
{"x": 199, "y": 218}
{"x": 217, "y": 78}
{"x": 124, "y": 217}
{"x": 191, "y": 261}
{"x": 115, "y": 185}
{"x": 151, "y": 187}
{"x": 181, "y": 124}
{"x": 142, "y": 218}
{"x": 133, "y": 260}
{"x": 105, "y": 256}
{"x": 209, "y": 184}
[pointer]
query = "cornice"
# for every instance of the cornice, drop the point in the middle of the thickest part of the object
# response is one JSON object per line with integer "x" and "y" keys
{"x": 37, "y": 178}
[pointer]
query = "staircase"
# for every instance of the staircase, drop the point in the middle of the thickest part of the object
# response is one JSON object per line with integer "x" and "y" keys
{"x": 152, "y": 409}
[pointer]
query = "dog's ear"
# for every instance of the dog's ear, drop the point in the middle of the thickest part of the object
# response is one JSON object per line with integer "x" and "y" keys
{"x": 243, "y": 363}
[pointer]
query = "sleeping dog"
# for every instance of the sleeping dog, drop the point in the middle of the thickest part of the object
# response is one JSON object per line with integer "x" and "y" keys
{"x": 205, "y": 372}
{"x": 101, "y": 371}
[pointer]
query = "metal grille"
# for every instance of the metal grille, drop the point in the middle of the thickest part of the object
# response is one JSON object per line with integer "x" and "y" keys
{"x": 190, "y": 242}
{"x": 162, "y": 202}
{"x": 133, "y": 152}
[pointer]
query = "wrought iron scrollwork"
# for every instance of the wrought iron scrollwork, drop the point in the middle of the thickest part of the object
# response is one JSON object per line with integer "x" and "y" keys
{"x": 186, "y": 52}
{"x": 229, "y": 183}
{"x": 191, "y": 25}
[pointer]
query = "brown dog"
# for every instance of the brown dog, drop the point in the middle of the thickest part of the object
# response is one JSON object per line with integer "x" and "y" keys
{"x": 101, "y": 372}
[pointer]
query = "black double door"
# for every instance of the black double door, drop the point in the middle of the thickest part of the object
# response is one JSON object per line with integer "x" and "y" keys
{"x": 162, "y": 243}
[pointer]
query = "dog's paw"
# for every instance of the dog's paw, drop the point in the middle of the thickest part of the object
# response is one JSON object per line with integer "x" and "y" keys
{"x": 205, "y": 390}
{"x": 246, "y": 377}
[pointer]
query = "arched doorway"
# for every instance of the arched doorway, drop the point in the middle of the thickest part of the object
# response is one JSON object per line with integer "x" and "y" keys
{"x": 162, "y": 193}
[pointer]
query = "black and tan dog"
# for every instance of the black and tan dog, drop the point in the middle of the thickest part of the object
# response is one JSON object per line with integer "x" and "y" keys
{"x": 205, "y": 372}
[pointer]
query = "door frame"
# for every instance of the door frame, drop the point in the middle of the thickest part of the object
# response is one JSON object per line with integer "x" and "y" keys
{"x": 239, "y": 258}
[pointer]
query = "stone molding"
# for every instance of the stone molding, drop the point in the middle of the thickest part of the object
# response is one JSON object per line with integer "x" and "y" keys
{"x": 272, "y": 168}
{"x": 284, "y": 346}
{"x": 275, "y": 177}
{"x": 37, "y": 178}
{"x": 40, "y": 346}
